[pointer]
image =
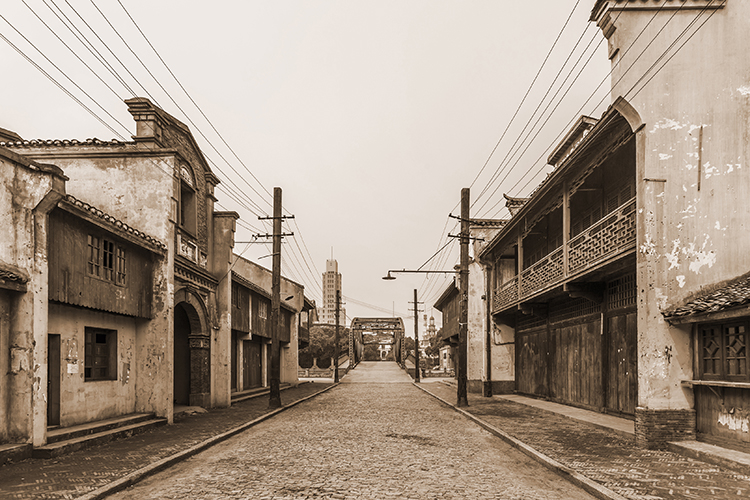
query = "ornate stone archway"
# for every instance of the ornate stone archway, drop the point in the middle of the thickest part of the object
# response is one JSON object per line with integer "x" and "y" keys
{"x": 192, "y": 350}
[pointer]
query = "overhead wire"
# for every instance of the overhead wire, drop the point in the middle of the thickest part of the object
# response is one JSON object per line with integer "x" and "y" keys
{"x": 622, "y": 76}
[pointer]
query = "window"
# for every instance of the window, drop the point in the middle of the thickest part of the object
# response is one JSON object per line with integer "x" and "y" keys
{"x": 262, "y": 309}
{"x": 120, "y": 266}
{"x": 106, "y": 260}
{"x": 101, "y": 354}
{"x": 723, "y": 349}
{"x": 187, "y": 201}
{"x": 94, "y": 255}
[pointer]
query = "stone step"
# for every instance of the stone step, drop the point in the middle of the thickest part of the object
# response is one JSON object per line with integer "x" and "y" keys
{"x": 253, "y": 393}
{"x": 14, "y": 452}
{"x": 57, "y": 434}
{"x": 88, "y": 440}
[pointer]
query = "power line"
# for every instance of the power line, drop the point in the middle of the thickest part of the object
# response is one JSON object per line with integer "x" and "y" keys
{"x": 523, "y": 100}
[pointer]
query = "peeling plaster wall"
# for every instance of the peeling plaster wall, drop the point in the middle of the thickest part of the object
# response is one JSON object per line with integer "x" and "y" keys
{"x": 27, "y": 193}
{"x": 85, "y": 401}
{"x": 692, "y": 183}
{"x": 138, "y": 189}
{"x": 476, "y": 333}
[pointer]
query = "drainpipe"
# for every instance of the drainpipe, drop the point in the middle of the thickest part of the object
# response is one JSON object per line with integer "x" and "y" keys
{"x": 487, "y": 388}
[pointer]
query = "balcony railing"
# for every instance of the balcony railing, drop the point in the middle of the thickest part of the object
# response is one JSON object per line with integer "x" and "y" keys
{"x": 506, "y": 293}
{"x": 547, "y": 271}
{"x": 609, "y": 236}
{"x": 603, "y": 240}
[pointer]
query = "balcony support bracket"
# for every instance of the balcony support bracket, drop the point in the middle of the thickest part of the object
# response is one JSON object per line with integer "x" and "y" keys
{"x": 593, "y": 291}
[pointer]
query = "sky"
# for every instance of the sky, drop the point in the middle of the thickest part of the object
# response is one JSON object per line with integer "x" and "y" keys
{"x": 371, "y": 115}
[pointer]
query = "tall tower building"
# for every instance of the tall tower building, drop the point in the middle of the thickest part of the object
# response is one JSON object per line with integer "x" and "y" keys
{"x": 331, "y": 283}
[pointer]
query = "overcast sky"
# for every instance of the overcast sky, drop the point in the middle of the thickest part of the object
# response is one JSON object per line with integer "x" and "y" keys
{"x": 371, "y": 115}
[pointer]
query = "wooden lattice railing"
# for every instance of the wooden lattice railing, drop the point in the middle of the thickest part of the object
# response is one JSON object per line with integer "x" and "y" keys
{"x": 609, "y": 236}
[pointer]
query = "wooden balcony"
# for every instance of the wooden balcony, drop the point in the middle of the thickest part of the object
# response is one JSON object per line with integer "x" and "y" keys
{"x": 611, "y": 235}
{"x": 605, "y": 240}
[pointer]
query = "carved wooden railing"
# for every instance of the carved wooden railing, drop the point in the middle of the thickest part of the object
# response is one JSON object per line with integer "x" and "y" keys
{"x": 505, "y": 294}
{"x": 545, "y": 272}
{"x": 609, "y": 236}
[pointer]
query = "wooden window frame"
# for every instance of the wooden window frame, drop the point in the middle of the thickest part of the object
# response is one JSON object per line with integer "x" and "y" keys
{"x": 107, "y": 260}
{"x": 93, "y": 266}
{"x": 100, "y": 356}
{"x": 721, "y": 338}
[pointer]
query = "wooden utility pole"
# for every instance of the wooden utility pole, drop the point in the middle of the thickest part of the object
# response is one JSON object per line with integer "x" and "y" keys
{"x": 336, "y": 340}
{"x": 416, "y": 338}
{"x": 274, "y": 400}
{"x": 463, "y": 317}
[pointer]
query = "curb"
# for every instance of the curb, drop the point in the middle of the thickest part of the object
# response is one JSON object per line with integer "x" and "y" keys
{"x": 159, "y": 465}
{"x": 574, "y": 477}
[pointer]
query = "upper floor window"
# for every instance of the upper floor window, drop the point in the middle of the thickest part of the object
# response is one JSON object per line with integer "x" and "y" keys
{"x": 106, "y": 260}
{"x": 187, "y": 211}
{"x": 263, "y": 309}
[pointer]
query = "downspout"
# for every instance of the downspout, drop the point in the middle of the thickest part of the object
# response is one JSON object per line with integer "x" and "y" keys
{"x": 487, "y": 389}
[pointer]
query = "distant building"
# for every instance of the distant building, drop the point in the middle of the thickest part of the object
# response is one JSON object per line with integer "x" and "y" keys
{"x": 331, "y": 284}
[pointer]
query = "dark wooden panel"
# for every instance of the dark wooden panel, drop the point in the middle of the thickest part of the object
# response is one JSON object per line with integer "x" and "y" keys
{"x": 576, "y": 364}
{"x": 532, "y": 362}
{"x": 251, "y": 365}
{"x": 261, "y": 314}
{"x": 714, "y": 420}
{"x": 622, "y": 377}
{"x": 70, "y": 283}
{"x": 240, "y": 308}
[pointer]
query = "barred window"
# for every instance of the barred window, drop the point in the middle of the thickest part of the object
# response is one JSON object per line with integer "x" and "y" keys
{"x": 622, "y": 292}
{"x": 100, "y": 361}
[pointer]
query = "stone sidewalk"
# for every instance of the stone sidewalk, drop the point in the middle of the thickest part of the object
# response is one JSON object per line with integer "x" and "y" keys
{"x": 608, "y": 458}
{"x": 90, "y": 473}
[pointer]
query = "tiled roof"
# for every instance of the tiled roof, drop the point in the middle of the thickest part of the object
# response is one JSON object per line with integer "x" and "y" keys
{"x": 735, "y": 293}
{"x": 40, "y": 143}
{"x": 11, "y": 276}
{"x": 115, "y": 222}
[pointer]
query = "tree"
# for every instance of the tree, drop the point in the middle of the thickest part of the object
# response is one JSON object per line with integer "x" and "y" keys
{"x": 321, "y": 344}
{"x": 370, "y": 353}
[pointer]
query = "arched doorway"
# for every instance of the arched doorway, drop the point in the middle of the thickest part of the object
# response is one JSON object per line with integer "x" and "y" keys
{"x": 192, "y": 353}
{"x": 182, "y": 331}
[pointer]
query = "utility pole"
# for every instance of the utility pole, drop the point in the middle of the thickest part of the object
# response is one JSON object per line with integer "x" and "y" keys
{"x": 416, "y": 338}
{"x": 336, "y": 340}
{"x": 274, "y": 400}
{"x": 463, "y": 317}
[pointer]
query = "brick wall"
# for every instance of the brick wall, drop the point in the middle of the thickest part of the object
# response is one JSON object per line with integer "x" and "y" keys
{"x": 655, "y": 428}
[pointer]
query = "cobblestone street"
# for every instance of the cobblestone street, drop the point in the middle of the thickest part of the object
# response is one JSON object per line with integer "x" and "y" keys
{"x": 374, "y": 436}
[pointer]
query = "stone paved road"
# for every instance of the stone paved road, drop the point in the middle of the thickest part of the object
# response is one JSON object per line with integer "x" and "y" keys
{"x": 374, "y": 436}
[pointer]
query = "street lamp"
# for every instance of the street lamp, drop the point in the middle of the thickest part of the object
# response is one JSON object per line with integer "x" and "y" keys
{"x": 388, "y": 276}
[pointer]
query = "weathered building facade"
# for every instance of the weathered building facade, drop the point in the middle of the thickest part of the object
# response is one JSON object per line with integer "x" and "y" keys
{"x": 251, "y": 325}
{"x": 621, "y": 281}
{"x": 119, "y": 291}
{"x": 28, "y": 192}
{"x": 136, "y": 284}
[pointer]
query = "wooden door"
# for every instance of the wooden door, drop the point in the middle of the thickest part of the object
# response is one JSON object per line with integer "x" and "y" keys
{"x": 576, "y": 364}
{"x": 532, "y": 350}
{"x": 53, "y": 379}
{"x": 234, "y": 361}
{"x": 251, "y": 365}
{"x": 622, "y": 380}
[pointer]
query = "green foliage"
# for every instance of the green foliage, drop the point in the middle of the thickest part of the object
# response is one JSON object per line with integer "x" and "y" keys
{"x": 321, "y": 344}
{"x": 370, "y": 353}
{"x": 433, "y": 350}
